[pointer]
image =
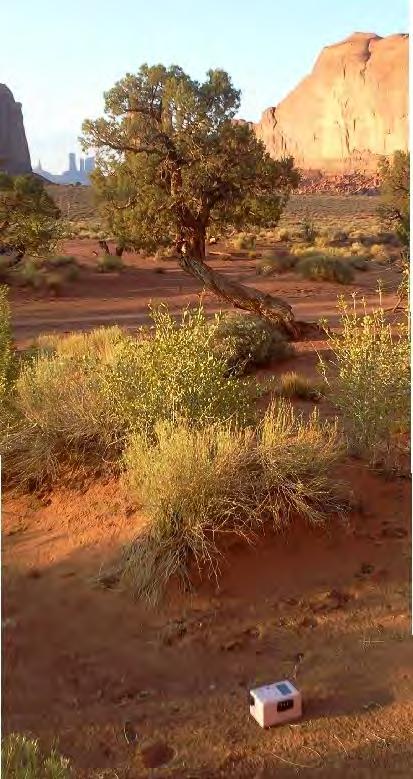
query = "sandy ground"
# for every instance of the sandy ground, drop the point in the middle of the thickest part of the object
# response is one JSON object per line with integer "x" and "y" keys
{"x": 123, "y": 298}
{"x": 84, "y": 664}
{"x": 81, "y": 661}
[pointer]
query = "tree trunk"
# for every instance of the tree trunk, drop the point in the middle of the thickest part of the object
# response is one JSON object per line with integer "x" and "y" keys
{"x": 119, "y": 250}
{"x": 274, "y": 309}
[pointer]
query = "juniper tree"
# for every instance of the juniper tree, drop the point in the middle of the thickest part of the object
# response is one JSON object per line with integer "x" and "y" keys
{"x": 173, "y": 164}
{"x": 28, "y": 216}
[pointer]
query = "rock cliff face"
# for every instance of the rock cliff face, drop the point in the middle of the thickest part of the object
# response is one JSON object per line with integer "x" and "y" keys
{"x": 350, "y": 110}
{"x": 14, "y": 151}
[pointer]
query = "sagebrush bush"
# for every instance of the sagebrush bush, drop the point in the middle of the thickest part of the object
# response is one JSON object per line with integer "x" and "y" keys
{"x": 6, "y": 347}
{"x": 245, "y": 341}
{"x": 177, "y": 372}
{"x": 284, "y": 234}
{"x": 108, "y": 263}
{"x": 77, "y": 397}
{"x": 320, "y": 267}
{"x": 308, "y": 231}
{"x": 369, "y": 381}
{"x": 194, "y": 485}
{"x": 244, "y": 241}
{"x": 274, "y": 262}
{"x": 21, "y": 758}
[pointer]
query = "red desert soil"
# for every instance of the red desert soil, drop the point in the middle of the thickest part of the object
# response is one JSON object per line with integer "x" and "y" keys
{"x": 103, "y": 299}
{"x": 85, "y": 665}
{"x": 82, "y": 662}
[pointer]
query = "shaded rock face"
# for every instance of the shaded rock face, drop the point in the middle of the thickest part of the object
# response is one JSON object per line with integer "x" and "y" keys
{"x": 14, "y": 151}
{"x": 351, "y": 109}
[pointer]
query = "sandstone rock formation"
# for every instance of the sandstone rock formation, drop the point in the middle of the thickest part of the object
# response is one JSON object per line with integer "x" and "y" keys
{"x": 14, "y": 151}
{"x": 350, "y": 110}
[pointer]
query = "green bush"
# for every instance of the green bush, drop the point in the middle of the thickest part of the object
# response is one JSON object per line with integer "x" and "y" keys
{"x": 196, "y": 485}
{"x": 6, "y": 347}
{"x": 109, "y": 263}
{"x": 177, "y": 372}
{"x": 21, "y": 758}
{"x": 78, "y": 396}
{"x": 369, "y": 379}
{"x": 326, "y": 268}
{"x": 245, "y": 341}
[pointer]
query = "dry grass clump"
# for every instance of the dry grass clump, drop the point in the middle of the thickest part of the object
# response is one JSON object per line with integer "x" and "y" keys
{"x": 294, "y": 385}
{"x": 109, "y": 263}
{"x": 244, "y": 241}
{"x": 245, "y": 341}
{"x": 195, "y": 485}
{"x": 284, "y": 234}
{"x": 21, "y": 758}
{"x": 274, "y": 262}
{"x": 321, "y": 267}
{"x": 369, "y": 381}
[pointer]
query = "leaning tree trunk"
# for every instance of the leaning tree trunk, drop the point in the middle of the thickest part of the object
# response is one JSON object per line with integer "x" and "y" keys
{"x": 273, "y": 309}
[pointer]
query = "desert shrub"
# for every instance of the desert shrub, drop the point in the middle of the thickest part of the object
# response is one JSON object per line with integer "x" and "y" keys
{"x": 293, "y": 385}
{"x": 6, "y": 347}
{"x": 21, "y": 758}
{"x": 53, "y": 281}
{"x": 195, "y": 485}
{"x": 244, "y": 241}
{"x": 61, "y": 261}
{"x": 30, "y": 274}
{"x": 369, "y": 380}
{"x": 359, "y": 263}
{"x": 61, "y": 420}
{"x": 378, "y": 250}
{"x": 326, "y": 268}
{"x": 245, "y": 341}
{"x": 274, "y": 262}
{"x": 165, "y": 253}
{"x": 283, "y": 234}
{"x": 108, "y": 263}
{"x": 338, "y": 236}
{"x": 394, "y": 208}
{"x": 308, "y": 231}
{"x": 77, "y": 397}
{"x": 175, "y": 373}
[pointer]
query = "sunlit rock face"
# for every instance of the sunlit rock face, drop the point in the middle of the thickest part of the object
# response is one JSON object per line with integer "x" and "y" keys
{"x": 14, "y": 151}
{"x": 350, "y": 110}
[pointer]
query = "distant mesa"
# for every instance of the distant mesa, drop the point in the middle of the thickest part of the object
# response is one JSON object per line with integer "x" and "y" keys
{"x": 73, "y": 175}
{"x": 349, "y": 111}
{"x": 14, "y": 150}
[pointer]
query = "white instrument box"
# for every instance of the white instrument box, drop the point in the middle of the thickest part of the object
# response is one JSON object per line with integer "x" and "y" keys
{"x": 275, "y": 704}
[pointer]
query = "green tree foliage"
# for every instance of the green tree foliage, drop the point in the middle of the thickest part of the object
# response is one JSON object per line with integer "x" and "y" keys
{"x": 395, "y": 195}
{"x": 28, "y": 216}
{"x": 172, "y": 162}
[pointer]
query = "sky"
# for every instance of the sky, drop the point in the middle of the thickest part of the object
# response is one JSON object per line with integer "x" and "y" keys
{"x": 59, "y": 57}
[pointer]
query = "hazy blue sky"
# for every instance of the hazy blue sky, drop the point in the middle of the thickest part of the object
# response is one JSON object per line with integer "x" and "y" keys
{"x": 58, "y": 57}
